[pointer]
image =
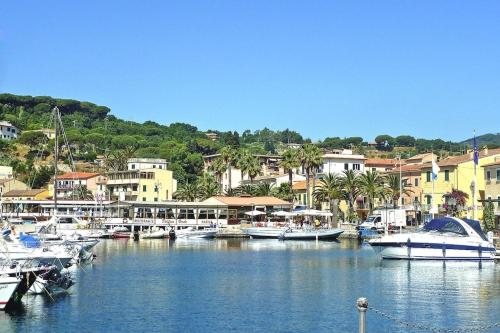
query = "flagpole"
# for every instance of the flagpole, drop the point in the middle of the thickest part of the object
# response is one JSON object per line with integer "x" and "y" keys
{"x": 476, "y": 161}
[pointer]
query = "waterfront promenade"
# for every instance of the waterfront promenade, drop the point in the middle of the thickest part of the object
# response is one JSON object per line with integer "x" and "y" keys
{"x": 258, "y": 286}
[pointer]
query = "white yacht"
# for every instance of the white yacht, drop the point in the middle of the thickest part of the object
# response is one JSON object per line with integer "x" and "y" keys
{"x": 446, "y": 238}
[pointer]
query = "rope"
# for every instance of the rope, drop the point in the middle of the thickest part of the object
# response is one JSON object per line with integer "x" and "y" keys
{"x": 430, "y": 328}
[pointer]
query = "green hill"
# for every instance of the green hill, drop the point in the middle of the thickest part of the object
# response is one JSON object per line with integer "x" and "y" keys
{"x": 490, "y": 139}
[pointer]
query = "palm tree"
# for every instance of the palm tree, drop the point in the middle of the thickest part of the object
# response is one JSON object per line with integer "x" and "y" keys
{"x": 393, "y": 188}
{"x": 350, "y": 187}
{"x": 263, "y": 190}
{"x": 187, "y": 192}
{"x": 247, "y": 189}
{"x": 284, "y": 192}
{"x": 249, "y": 165}
{"x": 81, "y": 192}
{"x": 243, "y": 156}
{"x": 311, "y": 158}
{"x": 218, "y": 167}
{"x": 329, "y": 190}
{"x": 289, "y": 161}
{"x": 371, "y": 184}
{"x": 208, "y": 186}
{"x": 228, "y": 156}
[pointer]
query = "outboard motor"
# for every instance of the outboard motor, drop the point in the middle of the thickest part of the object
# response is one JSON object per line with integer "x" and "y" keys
{"x": 171, "y": 234}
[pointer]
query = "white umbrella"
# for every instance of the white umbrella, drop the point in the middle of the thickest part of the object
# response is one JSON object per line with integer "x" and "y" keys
{"x": 326, "y": 214}
{"x": 309, "y": 212}
{"x": 283, "y": 213}
{"x": 254, "y": 213}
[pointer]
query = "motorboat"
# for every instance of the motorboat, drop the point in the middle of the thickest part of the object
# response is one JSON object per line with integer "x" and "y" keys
{"x": 121, "y": 234}
{"x": 446, "y": 238}
{"x": 294, "y": 233}
{"x": 196, "y": 233}
{"x": 310, "y": 234}
{"x": 8, "y": 285}
{"x": 154, "y": 234}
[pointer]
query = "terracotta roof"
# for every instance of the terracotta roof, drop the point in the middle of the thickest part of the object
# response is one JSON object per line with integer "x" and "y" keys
{"x": 407, "y": 168}
{"x": 456, "y": 160}
{"x": 251, "y": 201}
{"x": 300, "y": 185}
{"x": 77, "y": 175}
{"x": 24, "y": 193}
{"x": 381, "y": 162}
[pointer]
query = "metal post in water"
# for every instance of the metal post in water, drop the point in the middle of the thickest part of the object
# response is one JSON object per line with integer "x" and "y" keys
{"x": 362, "y": 305}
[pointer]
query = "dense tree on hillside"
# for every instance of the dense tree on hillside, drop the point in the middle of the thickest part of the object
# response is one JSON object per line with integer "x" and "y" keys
{"x": 385, "y": 142}
{"x": 405, "y": 141}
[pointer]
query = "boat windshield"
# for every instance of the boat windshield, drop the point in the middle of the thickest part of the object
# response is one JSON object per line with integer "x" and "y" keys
{"x": 444, "y": 225}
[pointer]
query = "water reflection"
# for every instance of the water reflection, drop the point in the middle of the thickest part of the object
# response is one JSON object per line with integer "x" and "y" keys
{"x": 258, "y": 285}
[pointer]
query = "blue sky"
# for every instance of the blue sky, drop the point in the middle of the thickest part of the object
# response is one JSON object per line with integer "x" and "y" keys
{"x": 323, "y": 68}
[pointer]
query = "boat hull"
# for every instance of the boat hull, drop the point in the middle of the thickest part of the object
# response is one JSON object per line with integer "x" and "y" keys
{"x": 432, "y": 249}
{"x": 293, "y": 234}
{"x": 8, "y": 286}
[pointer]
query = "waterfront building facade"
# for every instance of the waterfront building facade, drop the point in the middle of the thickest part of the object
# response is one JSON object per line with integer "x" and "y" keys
{"x": 33, "y": 194}
{"x": 152, "y": 184}
{"x": 71, "y": 183}
{"x": 381, "y": 164}
{"x": 492, "y": 187}
{"x": 457, "y": 172}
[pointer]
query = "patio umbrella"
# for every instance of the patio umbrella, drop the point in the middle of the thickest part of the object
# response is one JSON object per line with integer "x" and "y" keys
{"x": 254, "y": 213}
{"x": 309, "y": 212}
{"x": 283, "y": 213}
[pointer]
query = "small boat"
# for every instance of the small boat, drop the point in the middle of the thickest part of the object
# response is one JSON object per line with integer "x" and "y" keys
{"x": 294, "y": 234}
{"x": 196, "y": 233}
{"x": 8, "y": 285}
{"x": 318, "y": 234}
{"x": 116, "y": 235}
{"x": 158, "y": 234}
{"x": 446, "y": 238}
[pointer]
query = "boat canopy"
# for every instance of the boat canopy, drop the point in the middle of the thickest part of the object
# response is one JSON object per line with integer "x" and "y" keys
{"x": 446, "y": 224}
{"x": 477, "y": 227}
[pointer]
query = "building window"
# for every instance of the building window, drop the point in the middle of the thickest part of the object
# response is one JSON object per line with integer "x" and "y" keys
{"x": 416, "y": 182}
{"x": 346, "y": 166}
{"x": 374, "y": 169}
{"x": 154, "y": 166}
{"x": 356, "y": 166}
{"x": 133, "y": 166}
{"x": 143, "y": 198}
{"x": 143, "y": 188}
{"x": 429, "y": 199}
{"x": 428, "y": 176}
{"x": 161, "y": 167}
{"x": 446, "y": 175}
{"x": 156, "y": 199}
{"x": 134, "y": 187}
{"x": 488, "y": 175}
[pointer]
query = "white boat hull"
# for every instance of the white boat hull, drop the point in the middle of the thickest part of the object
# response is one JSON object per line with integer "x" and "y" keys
{"x": 8, "y": 286}
{"x": 202, "y": 233}
{"x": 425, "y": 247}
{"x": 293, "y": 234}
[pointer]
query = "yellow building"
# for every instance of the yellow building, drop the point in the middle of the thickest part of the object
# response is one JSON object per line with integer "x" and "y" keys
{"x": 492, "y": 188}
{"x": 457, "y": 172}
{"x": 141, "y": 185}
{"x": 10, "y": 184}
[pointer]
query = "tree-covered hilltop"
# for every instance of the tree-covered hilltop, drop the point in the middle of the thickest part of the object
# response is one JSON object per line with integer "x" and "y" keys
{"x": 92, "y": 131}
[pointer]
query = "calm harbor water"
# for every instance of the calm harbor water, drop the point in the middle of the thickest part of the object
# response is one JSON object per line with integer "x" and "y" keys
{"x": 258, "y": 286}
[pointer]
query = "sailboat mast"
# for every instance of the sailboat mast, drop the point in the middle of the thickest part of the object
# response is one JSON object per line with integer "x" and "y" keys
{"x": 55, "y": 110}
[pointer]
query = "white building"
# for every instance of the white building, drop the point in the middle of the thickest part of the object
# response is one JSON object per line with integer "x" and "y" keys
{"x": 337, "y": 161}
{"x": 5, "y": 172}
{"x": 146, "y": 163}
{"x": 8, "y": 131}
